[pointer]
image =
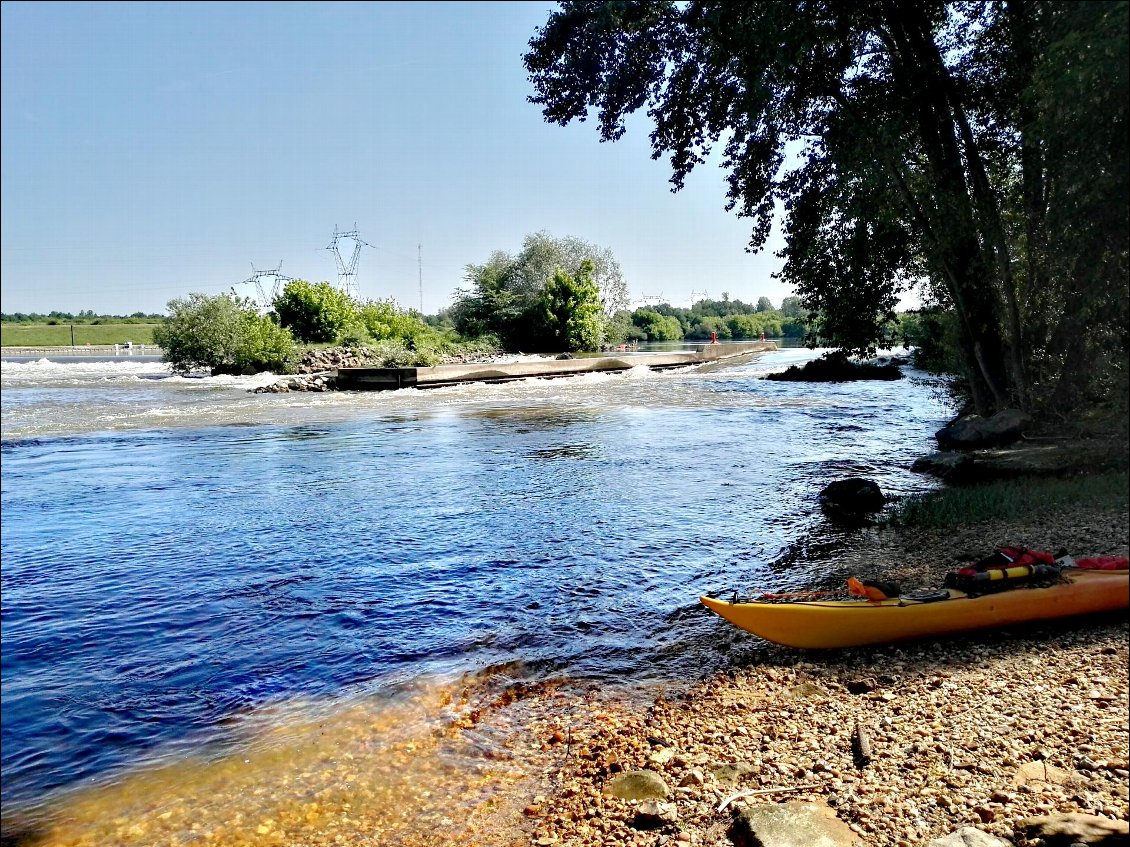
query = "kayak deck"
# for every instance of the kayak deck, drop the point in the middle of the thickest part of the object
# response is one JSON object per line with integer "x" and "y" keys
{"x": 853, "y": 623}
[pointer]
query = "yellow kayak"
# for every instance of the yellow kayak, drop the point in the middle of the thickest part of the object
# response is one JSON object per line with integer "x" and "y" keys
{"x": 852, "y": 623}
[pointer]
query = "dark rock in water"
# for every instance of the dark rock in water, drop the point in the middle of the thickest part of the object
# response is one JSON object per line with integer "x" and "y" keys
{"x": 565, "y": 356}
{"x": 836, "y": 367}
{"x": 854, "y": 494}
{"x": 973, "y": 432}
{"x": 850, "y": 502}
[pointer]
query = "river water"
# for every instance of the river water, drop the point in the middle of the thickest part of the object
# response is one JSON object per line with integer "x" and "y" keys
{"x": 178, "y": 552}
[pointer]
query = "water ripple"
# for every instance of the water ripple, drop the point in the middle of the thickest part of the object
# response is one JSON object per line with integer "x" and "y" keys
{"x": 176, "y": 552}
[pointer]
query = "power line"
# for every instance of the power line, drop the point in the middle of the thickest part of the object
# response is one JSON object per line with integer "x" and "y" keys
{"x": 261, "y": 279}
{"x": 347, "y": 272}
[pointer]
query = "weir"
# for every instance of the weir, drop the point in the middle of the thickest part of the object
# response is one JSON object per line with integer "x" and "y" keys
{"x": 390, "y": 379}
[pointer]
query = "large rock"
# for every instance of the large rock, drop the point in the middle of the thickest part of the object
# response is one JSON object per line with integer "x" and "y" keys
{"x": 638, "y": 785}
{"x": 836, "y": 367}
{"x": 974, "y": 432}
{"x": 1018, "y": 461}
{"x": 1077, "y": 828}
{"x": 968, "y": 836}
{"x": 952, "y": 467}
{"x": 850, "y": 499}
{"x": 791, "y": 825}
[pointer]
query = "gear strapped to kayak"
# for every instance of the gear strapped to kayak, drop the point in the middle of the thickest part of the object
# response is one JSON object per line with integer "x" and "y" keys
{"x": 1008, "y": 567}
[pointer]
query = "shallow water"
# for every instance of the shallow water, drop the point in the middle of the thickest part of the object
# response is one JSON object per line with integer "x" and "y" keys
{"x": 181, "y": 552}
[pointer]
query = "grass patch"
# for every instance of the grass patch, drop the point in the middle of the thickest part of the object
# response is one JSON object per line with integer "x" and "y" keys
{"x": 59, "y": 335}
{"x": 1011, "y": 500}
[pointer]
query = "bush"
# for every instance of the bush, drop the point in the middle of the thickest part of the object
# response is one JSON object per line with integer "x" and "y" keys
{"x": 657, "y": 327}
{"x": 571, "y": 310}
{"x": 222, "y": 334}
{"x": 315, "y": 313}
{"x": 383, "y": 320}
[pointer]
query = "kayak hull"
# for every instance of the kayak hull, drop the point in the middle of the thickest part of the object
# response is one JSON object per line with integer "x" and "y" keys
{"x": 855, "y": 623}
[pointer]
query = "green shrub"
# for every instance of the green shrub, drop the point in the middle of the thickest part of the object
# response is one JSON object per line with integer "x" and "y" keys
{"x": 264, "y": 346}
{"x": 572, "y": 311}
{"x": 315, "y": 312}
{"x": 222, "y": 334}
{"x": 657, "y": 327}
{"x": 384, "y": 320}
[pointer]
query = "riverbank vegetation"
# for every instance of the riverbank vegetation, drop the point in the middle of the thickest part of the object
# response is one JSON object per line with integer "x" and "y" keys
{"x": 1012, "y": 500}
{"x": 976, "y": 151}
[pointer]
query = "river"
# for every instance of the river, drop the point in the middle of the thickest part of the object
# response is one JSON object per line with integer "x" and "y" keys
{"x": 177, "y": 552}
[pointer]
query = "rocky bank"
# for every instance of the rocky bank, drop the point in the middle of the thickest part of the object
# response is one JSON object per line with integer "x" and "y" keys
{"x": 992, "y": 730}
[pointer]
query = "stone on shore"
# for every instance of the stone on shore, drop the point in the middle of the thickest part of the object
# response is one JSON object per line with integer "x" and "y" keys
{"x": 638, "y": 785}
{"x": 951, "y": 467}
{"x": 969, "y": 836}
{"x": 973, "y": 432}
{"x": 1071, "y": 828}
{"x": 791, "y": 825}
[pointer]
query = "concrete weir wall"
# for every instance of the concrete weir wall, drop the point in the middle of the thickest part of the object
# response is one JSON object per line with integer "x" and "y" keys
{"x": 389, "y": 379}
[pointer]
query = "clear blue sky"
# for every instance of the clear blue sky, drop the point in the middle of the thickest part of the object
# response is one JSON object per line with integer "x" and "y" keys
{"x": 150, "y": 150}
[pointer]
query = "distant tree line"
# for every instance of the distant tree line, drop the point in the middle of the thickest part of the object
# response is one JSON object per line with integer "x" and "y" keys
{"x": 724, "y": 319}
{"x": 554, "y": 295}
{"x": 86, "y": 316}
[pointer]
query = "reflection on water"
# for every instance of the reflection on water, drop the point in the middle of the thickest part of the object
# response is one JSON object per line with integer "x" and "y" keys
{"x": 176, "y": 552}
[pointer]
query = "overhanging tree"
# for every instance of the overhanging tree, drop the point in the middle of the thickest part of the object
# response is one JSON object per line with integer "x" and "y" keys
{"x": 904, "y": 141}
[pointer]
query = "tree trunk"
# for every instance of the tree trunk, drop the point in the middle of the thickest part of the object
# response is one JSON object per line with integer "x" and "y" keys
{"x": 953, "y": 203}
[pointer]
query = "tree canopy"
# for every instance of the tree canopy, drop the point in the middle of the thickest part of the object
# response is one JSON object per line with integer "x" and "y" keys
{"x": 571, "y": 310}
{"x": 507, "y": 293}
{"x": 315, "y": 312}
{"x": 976, "y": 148}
